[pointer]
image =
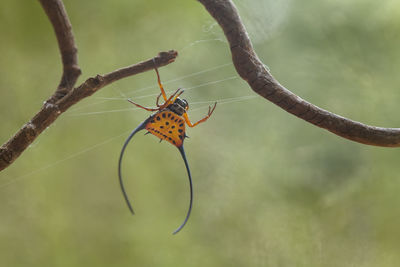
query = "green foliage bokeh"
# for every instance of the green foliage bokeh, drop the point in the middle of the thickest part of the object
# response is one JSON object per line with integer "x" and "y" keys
{"x": 270, "y": 189}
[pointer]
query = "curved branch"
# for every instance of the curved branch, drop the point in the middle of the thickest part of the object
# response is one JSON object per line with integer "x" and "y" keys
{"x": 50, "y": 111}
{"x": 69, "y": 53}
{"x": 252, "y": 70}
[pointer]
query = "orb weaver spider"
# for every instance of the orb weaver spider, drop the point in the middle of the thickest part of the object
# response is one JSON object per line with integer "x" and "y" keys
{"x": 167, "y": 123}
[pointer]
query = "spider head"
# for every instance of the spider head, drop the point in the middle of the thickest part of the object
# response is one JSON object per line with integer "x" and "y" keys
{"x": 182, "y": 103}
{"x": 179, "y": 106}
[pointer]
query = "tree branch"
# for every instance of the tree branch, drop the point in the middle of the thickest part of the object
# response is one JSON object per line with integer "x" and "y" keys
{"x": 252, "y": 70}
{"x": 69, "y": 53}
{"x": 50, "y": 111}
{"x": 66, "y": 95}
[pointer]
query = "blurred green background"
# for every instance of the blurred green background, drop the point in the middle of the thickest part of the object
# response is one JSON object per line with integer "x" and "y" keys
{"x": 270, "y": 189}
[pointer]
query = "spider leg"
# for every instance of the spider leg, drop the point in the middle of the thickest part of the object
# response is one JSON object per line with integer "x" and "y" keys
{"x": 181, "y": 92}
{"x": 190, "y": 124}
{"x": 140, "y": 106}
{"x": 158, "y": 99}
{"x": 160, "y": 84}
{"x": 169, "y": 101}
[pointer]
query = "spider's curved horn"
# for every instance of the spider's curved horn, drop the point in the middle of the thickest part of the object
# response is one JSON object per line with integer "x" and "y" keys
{"x": 140, "y": 127}
{"x": 191, "y": 189}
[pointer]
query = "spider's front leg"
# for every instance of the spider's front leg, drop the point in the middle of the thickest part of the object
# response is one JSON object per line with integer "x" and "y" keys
{"x": 169, "y": 100}
{"x": 190, "y": 124}
{"x": 158, "y": 100}
{"x": 160, "y": 85}
{"x": 140, "y": 106}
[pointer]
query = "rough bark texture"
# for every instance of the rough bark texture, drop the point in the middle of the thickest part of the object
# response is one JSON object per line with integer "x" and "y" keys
{"x": 252, "y": 70}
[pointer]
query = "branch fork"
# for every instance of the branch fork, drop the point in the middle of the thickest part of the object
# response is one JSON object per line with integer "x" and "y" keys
{"x": 66, "y": 94}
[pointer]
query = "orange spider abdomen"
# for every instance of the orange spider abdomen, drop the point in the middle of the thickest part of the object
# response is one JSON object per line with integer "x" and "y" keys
{"x": 168, "y": 126}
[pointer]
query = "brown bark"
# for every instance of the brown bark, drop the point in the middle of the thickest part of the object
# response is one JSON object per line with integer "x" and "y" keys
{"x": 252, "y": 70}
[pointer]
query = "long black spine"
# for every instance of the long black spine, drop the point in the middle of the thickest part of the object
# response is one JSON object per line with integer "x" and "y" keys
{"x": 140, "y": 127}
{"x": 182, "y": 151}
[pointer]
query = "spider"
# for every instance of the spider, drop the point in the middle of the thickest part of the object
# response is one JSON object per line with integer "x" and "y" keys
{"x": 167, "y": 123}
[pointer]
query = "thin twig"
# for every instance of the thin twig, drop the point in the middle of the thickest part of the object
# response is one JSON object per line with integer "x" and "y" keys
{"x": 69, "y": 52}
{"x": 50, "y": 111}
{"x": 252, "y": 70}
